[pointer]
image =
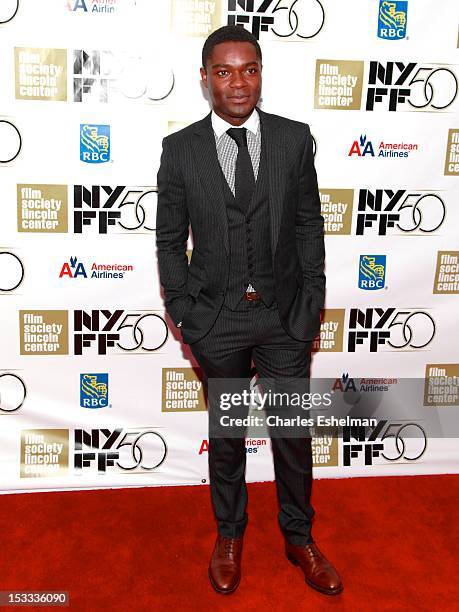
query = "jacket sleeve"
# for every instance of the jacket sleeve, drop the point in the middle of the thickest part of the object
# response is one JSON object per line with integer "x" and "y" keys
{"x": 310, "y": 224}
{"x": 172, "y": 223}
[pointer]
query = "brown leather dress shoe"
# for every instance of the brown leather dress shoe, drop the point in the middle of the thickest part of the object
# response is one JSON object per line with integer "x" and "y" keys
{"x": 225, "y": 564}
{"x": 318, "y": 572}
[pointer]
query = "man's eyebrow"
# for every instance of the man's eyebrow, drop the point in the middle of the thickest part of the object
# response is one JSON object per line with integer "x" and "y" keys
{"x": 229, "y": 65}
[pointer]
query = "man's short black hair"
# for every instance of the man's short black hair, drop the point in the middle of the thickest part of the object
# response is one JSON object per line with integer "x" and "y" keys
{"x": 225, "y": 34}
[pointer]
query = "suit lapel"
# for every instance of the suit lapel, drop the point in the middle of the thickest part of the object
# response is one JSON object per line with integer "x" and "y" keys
{"x": 274, "y": 150}
{"x": 210, "y": 172}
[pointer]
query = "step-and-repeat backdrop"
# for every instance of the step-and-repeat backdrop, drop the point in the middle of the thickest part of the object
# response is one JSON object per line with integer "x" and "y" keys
{"x": 95, "y": 391}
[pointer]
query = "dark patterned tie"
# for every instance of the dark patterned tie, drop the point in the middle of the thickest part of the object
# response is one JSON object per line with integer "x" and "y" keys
{"x": 244, "y": 183}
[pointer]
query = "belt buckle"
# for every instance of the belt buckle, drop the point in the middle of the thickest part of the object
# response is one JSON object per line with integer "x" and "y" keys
{"x": 252, "y": 296}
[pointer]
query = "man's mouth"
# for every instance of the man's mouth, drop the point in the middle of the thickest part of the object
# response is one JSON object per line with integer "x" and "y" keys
{"x": 239, "y": 99}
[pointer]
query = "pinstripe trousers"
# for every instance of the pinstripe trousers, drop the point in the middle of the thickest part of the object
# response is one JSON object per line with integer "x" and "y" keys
{"x": 254, "y": 332}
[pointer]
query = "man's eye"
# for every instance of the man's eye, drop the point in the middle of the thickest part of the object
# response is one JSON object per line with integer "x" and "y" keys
{"x": 252, "y": 70}
{"x": 222, "y": 72}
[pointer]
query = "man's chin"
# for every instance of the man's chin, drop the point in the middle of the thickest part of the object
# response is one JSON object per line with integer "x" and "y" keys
{"x": 239, "y": 111}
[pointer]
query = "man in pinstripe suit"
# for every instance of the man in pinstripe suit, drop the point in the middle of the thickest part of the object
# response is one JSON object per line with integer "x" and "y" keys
{"x": 245, "y": 182}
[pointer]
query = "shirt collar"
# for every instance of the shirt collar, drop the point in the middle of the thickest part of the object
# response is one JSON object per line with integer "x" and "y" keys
{"x": 220, "y": 126}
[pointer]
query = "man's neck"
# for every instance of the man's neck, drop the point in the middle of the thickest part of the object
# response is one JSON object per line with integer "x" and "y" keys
{"x": 221, "y": 125}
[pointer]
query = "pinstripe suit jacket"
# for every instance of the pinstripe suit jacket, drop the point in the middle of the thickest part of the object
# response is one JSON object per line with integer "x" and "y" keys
{"x": 190, "y": 193}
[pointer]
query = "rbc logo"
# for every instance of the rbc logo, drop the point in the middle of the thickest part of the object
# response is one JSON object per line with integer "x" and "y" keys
{"x": 93, "y": 390}
{"x": 392, "y": 19}
{"x": 94, "y": 143}
{"x": 372, "y": 272}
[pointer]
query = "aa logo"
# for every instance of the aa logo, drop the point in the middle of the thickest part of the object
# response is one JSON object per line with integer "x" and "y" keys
{"x": 92, "y": 6}
{"x": 73, "y": 269}
{"x": 362, "y": 147}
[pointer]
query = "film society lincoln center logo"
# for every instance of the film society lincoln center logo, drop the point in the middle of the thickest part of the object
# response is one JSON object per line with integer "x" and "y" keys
{"x": 338, "y": 84}
{"x": 182, "y": 391}
{"x": 441, "y": 386}
{"x": 44, "y": 452}
{"x": 452, "y": 153}
{"x": 43, "y": 332}
{"x": 331, "y": 334}
{"x": 42, "y": 208}
{"x": 447, "y": 273}
{"x": 40, "y": 74}
{"x": 336, "y": 209}
{"x": 324, "y": 448}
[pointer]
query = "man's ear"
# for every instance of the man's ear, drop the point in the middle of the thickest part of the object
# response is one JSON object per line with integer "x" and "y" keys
{"x": 203, "y": 76}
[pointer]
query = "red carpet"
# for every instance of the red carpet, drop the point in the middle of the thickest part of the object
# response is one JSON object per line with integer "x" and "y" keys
{"x": 394, "y": 541}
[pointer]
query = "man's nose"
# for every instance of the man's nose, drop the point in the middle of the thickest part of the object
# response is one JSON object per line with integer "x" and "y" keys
{"x": 238, "y": 80}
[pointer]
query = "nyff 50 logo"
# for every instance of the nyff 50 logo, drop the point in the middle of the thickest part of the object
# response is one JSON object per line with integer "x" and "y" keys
{"x": 420, "y": 86}
{"x": 104, "y": 329}
{"x": 128, "y": 208}
{"x": 382, "y": 210}
{"x": 296, "y": 18}
{"x": 125, "y": 450}
{"x": 398, "y": 329}
{"x": 391, "y": 86}
{"x": 99, "y": 77}
{"x": 386, "y": 442}
{"x": 46, "y": 332}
